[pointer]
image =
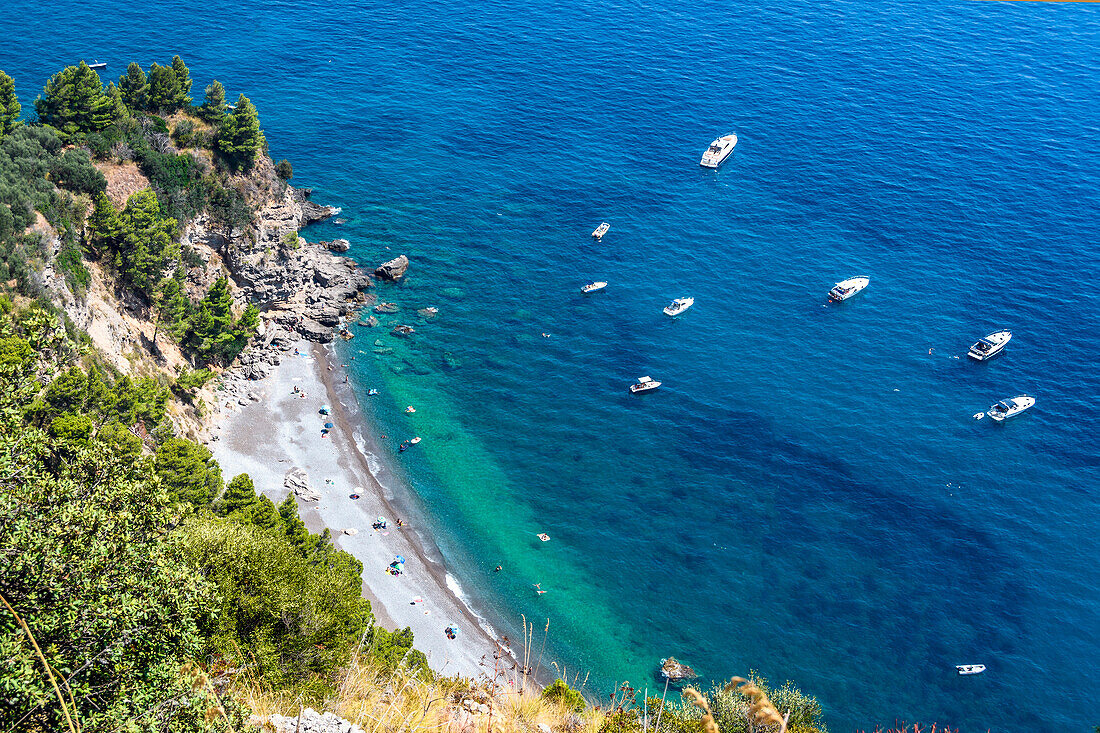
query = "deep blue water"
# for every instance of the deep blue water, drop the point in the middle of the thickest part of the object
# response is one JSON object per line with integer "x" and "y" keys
{"x": 807, "y": 495}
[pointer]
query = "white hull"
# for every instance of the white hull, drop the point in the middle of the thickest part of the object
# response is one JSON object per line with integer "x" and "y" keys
{"x": 593, "y": 287}
{"x": 965, "y": 669}
{"x": 718, "y": 151}
{"x": 990, "y": 346}
{"x": 644, "y": 384}
{"x": 847, "y": 288}
{"x": 1009, "y": 408}
{"x": 678, "y": 306}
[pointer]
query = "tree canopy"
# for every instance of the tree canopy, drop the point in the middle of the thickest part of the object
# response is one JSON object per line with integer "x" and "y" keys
{"x": 74, "y": 102}
{"x": 240, "y": 139}
{"x": 9, "y": 105}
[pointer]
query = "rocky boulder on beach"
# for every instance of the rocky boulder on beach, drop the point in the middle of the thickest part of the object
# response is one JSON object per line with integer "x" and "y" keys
{"x": 297, "y": 481}
{"x": 394, "y": 269}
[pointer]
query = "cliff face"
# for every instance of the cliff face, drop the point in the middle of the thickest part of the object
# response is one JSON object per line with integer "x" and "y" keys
{"x": 295, "y": 284}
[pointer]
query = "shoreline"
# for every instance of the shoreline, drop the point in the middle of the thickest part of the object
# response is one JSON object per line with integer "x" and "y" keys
{"x": 279, "y": 430}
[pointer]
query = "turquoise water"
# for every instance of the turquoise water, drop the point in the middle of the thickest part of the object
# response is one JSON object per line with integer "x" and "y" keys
{"x": 807, "y": 495}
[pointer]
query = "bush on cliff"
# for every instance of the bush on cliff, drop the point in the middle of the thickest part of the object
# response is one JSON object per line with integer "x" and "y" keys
{"x": 284, "y": 615}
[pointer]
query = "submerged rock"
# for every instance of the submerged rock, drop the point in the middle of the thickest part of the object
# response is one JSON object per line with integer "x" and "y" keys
{"x": 452, "y": 292}
{"x": 450, "y": 361}
{"x": 337, "y": 245}
{"x": 394, "y": 269}
{"x": 675, "y": 671}
{"x": 387, "y": 308}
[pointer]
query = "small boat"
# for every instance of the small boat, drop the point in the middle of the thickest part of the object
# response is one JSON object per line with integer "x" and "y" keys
{"x": 718, "y": 151}
{"x": 415, "y": 440}
{"x": 593, "y": 287}
{"x": 372, "y": 393}
{"x": 847, "y": 288}
{"x": 1010, "y": 407}
{"x": 600, "y": 231}
{"x": 678, "y": 306}
{"x": 97, "y": 66}
{"x": 969, "y": 668}
{"x": 990, "y": 346}
{"x": 644, "y": 384}
{"x": 543, "y": 536}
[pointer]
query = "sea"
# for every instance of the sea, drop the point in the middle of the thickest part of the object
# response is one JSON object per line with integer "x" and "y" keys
{"x": 808, "y": 495}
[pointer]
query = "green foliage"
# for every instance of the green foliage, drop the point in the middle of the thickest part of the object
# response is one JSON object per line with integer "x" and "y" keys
{"x": 84, "y": 563}
{"x": 562, "y": 692}
{"x": 134, "y": 88}
{"x": 190, "y": 380}
{"x": 164, "y": 89}
{"x": 228, "y": 207}
{"x": 294, "y": 527}
{"x": 9, "y": 105}
{"x": 239, "y": 139}
{"x": 184, "y": 133}
{"x": 391, "y": 649}
{"x": 188, "y": 471}
{"x": 212, "y": 333}
{"x": 74, "y": 170}
{"x": 284, "y": 170}
{"x": 212, "y": 109}
{"x": 731, "y": 710}
{"x": 147, "y": 246}
{"x": 294, "y": 618}
{"x": 183, "y": 79}
{"x": 239, "y": 496}
{"x": 75, "y": 103}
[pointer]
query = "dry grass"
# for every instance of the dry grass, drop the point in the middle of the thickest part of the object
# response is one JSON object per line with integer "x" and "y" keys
{"x": 400, "y": 702}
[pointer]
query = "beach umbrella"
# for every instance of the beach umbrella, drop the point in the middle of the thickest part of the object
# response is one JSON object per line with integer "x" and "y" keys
{"x": 325, "y": 409}
{"x": 329, "y": 426}
{"x": 381, "y": 520}
{"x": 399, "y": 559}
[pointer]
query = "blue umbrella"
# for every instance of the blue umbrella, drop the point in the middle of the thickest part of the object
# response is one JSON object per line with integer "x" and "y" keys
{"x": 329, "y": 425}
{"x": 399, "y": 558}
{"x": 324, "y": 409}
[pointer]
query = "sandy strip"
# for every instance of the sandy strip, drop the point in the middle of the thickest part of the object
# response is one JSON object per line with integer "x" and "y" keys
{"x": 282, "y": 430}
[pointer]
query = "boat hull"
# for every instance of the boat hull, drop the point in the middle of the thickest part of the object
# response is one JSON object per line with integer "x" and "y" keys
{"x": 996, "y": 343}
{"x": 846, "y": 289}
{"x": 714, "y": 160}
{"x": 1020, "y": 405}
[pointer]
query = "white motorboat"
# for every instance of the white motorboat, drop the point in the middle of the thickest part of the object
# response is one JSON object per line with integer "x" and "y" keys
{"x": 847, "y": 288}
{"x": 678, "y": 306}
{"x": 718, "y": 151}
{"x": 1010, "y": 407}
{"x": 990, "y": 346}
{"x": 601, "y": 230}
{"x": 970, "y": 668}
{"x": 593, "y": 287}
{"x": 644, "y": 384}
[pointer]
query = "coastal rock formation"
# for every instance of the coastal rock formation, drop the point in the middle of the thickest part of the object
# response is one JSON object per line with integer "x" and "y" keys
{"x": 394, "y": 269}
{"x": 337, "y": 245}
{"x": 310, "y": 721}
{"x": 297, "y": 481}
{"x": 301, "y": 286}
{"x": 675, "y": 671}
{"x": 311, "y": 212}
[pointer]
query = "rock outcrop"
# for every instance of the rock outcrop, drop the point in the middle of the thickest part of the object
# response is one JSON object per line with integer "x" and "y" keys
{"x": 394, "y": 269}
{"x": 337, "y": 245}
{"x": 675, "y": 671}
{"x": 310, "y": 721}
{"x": 297, "y": 481}
{"x": 300, "y": 286}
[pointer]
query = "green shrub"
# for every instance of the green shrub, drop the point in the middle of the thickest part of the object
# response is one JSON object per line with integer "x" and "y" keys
{"x": 563, "y": 693}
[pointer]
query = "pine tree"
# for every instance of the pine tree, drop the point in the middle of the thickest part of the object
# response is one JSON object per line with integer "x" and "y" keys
{"x": 240, "y": 140}
{"x": 134, "y": 87}
{"x": 293, "y": 525}
{"x": 212, "y": 109}
{"x": 74, "y": 102}
{"x": 147, "y": 247}
{"x": 104, "y": 226}
{"x": 9, "y": 105}
{"x": 183, "y": 78}
{"x": 118, "y": 104}
{"x": 240, "y": 495}
{"x": 164, "y": 89}
{"x": 265, "y": 515}
{"x": 188, "y": 471}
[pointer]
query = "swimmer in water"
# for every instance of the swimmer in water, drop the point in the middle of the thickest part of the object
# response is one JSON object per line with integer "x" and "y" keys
{"x": 539, "y": 590}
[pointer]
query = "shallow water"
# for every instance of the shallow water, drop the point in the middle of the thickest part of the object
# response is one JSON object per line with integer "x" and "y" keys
{"x": 807, "y": 495}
